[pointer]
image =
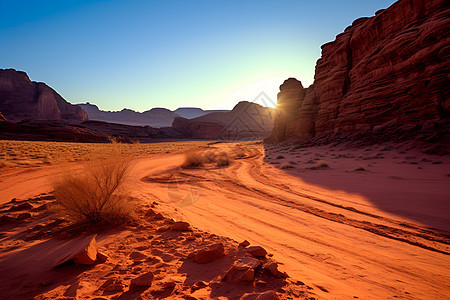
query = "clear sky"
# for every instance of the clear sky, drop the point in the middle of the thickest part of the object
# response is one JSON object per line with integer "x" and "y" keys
{"x": 142, "y": 54}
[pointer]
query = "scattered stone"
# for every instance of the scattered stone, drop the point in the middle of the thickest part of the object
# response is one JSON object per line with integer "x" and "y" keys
{"x": 198, "y": 285}
{"x": 257, "y": 251}
{"x": 137, "y": 256}
{"x": 180, "y": 226}
{"x": 211, "y": 253}
{"x": 245, "y": 244}
{"x": 272, "y": 267}
{"x": 245, "y": 263}
{"x": 83, "y": 253}
{"x": 235, "y": 275}
{"x": 113, "y": 285}
{"x": 145, "y": 280}
{"x": 269, "y": 295}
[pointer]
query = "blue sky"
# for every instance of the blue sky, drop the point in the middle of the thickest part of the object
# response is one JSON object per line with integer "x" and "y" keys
{"x": 143, "y": 54}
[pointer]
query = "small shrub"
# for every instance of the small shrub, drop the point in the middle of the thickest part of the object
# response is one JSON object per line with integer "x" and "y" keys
{"x": 91, "y": 194}
{"x": 287, "y": 166}
{"x": 320, "y": 165}
{"x": 193, "y": 160}
{"x": 223, "y": 160}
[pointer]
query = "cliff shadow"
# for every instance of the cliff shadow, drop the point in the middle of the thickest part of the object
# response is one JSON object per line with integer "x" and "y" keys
{"x": 398, "y": 179}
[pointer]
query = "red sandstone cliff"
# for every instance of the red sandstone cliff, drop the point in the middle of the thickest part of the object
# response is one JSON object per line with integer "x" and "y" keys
{"x": 391, "y": 69}
{"x": 21, "y": 98}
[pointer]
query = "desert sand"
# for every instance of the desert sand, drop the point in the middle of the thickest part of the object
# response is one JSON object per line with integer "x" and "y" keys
{"x": 343, "y": 223}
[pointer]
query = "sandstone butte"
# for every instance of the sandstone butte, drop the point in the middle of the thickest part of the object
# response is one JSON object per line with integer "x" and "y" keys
{"x": 21, "y": 98}
{"x": 387, "y": 70}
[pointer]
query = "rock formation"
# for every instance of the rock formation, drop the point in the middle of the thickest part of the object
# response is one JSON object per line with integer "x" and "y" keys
{"x": 21, "y": 98}
{"x": 389, "y": 70}
{"x": 247, "y": 120}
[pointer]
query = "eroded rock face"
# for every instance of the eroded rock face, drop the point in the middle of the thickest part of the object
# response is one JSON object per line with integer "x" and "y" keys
{"x": 392, "y": 66}
{"x": 21, "y": 98}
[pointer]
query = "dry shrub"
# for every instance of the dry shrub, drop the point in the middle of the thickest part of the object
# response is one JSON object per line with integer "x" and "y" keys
{"x": 201, "y": 158}
{"x": 193, "y": 160}
{"x": 287, "y": 166}
{"x": 320, "y": 165}
{"x": 91, "y": 195}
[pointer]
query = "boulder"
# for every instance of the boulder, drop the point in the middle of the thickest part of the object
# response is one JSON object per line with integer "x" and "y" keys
{"x": 144, "y": 280}
{"x": 256, "y": 251}
{"x": 81, "y": 252}
{"x": 246, "y": 263}
{"x": 180, "y": 226}
{"x": 209, "y": 254}
{"x": 272, "y": 267}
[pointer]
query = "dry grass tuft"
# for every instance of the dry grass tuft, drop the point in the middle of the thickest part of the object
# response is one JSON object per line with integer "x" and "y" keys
{"x": 287, "y": 166}
{"x": 91, "y": 195}
{"x": 198, "y": 159}
{"x": 320, "y": 165}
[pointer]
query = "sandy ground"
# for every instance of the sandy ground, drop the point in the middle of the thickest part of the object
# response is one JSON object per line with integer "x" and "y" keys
{"x": 374, "y": 224}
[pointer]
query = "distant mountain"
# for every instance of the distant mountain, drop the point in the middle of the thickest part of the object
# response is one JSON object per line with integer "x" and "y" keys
{"x": 155, "y": 117}
{"x": 194, "y": 112}
{"x": 21, "y": 98}
{"x": 247, "y": 121}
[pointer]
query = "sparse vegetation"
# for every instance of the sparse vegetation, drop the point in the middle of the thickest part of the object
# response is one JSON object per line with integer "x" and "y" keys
{"x": 360, "y": 168}
{"x": 32, "y": 154}
{"x": 193, "y": 160}
{"x": 287, "y": 166}
{"x": 196, "y": 159}
{"x": 320, "y": 165}
{"x": 91, "y": 195}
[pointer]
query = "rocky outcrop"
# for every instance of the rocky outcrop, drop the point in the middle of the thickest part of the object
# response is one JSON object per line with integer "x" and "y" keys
{"x": 2, "y": 118}
{"x": 391, "y": 68}
{"x": 247, "y": 121}
{"x": 21, "y": 98}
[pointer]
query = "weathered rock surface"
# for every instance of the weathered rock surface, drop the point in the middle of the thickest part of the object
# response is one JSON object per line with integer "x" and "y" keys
{"x": 209, "y": 254}
{"x": 144, "y": 280}
{"x": 21, "y": 98}
{"x": 392, "y": 67}
{"x": 83, "y": 252}
{"x": 256, "y": 251}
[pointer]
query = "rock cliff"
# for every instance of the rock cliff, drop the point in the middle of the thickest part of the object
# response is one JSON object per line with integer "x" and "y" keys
{"x": 21, "y": 98}
{"x": 389, "y": 70}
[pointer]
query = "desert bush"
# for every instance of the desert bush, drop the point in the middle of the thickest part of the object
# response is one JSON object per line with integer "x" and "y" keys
{"x": 287, "y": 166}
{"x": 320, "y": 165}
{"x": 223, "y": 160}
{"x": 91, "y": 195}
{"x": 200, "y": 158}
{"x": 193, "y": 160}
